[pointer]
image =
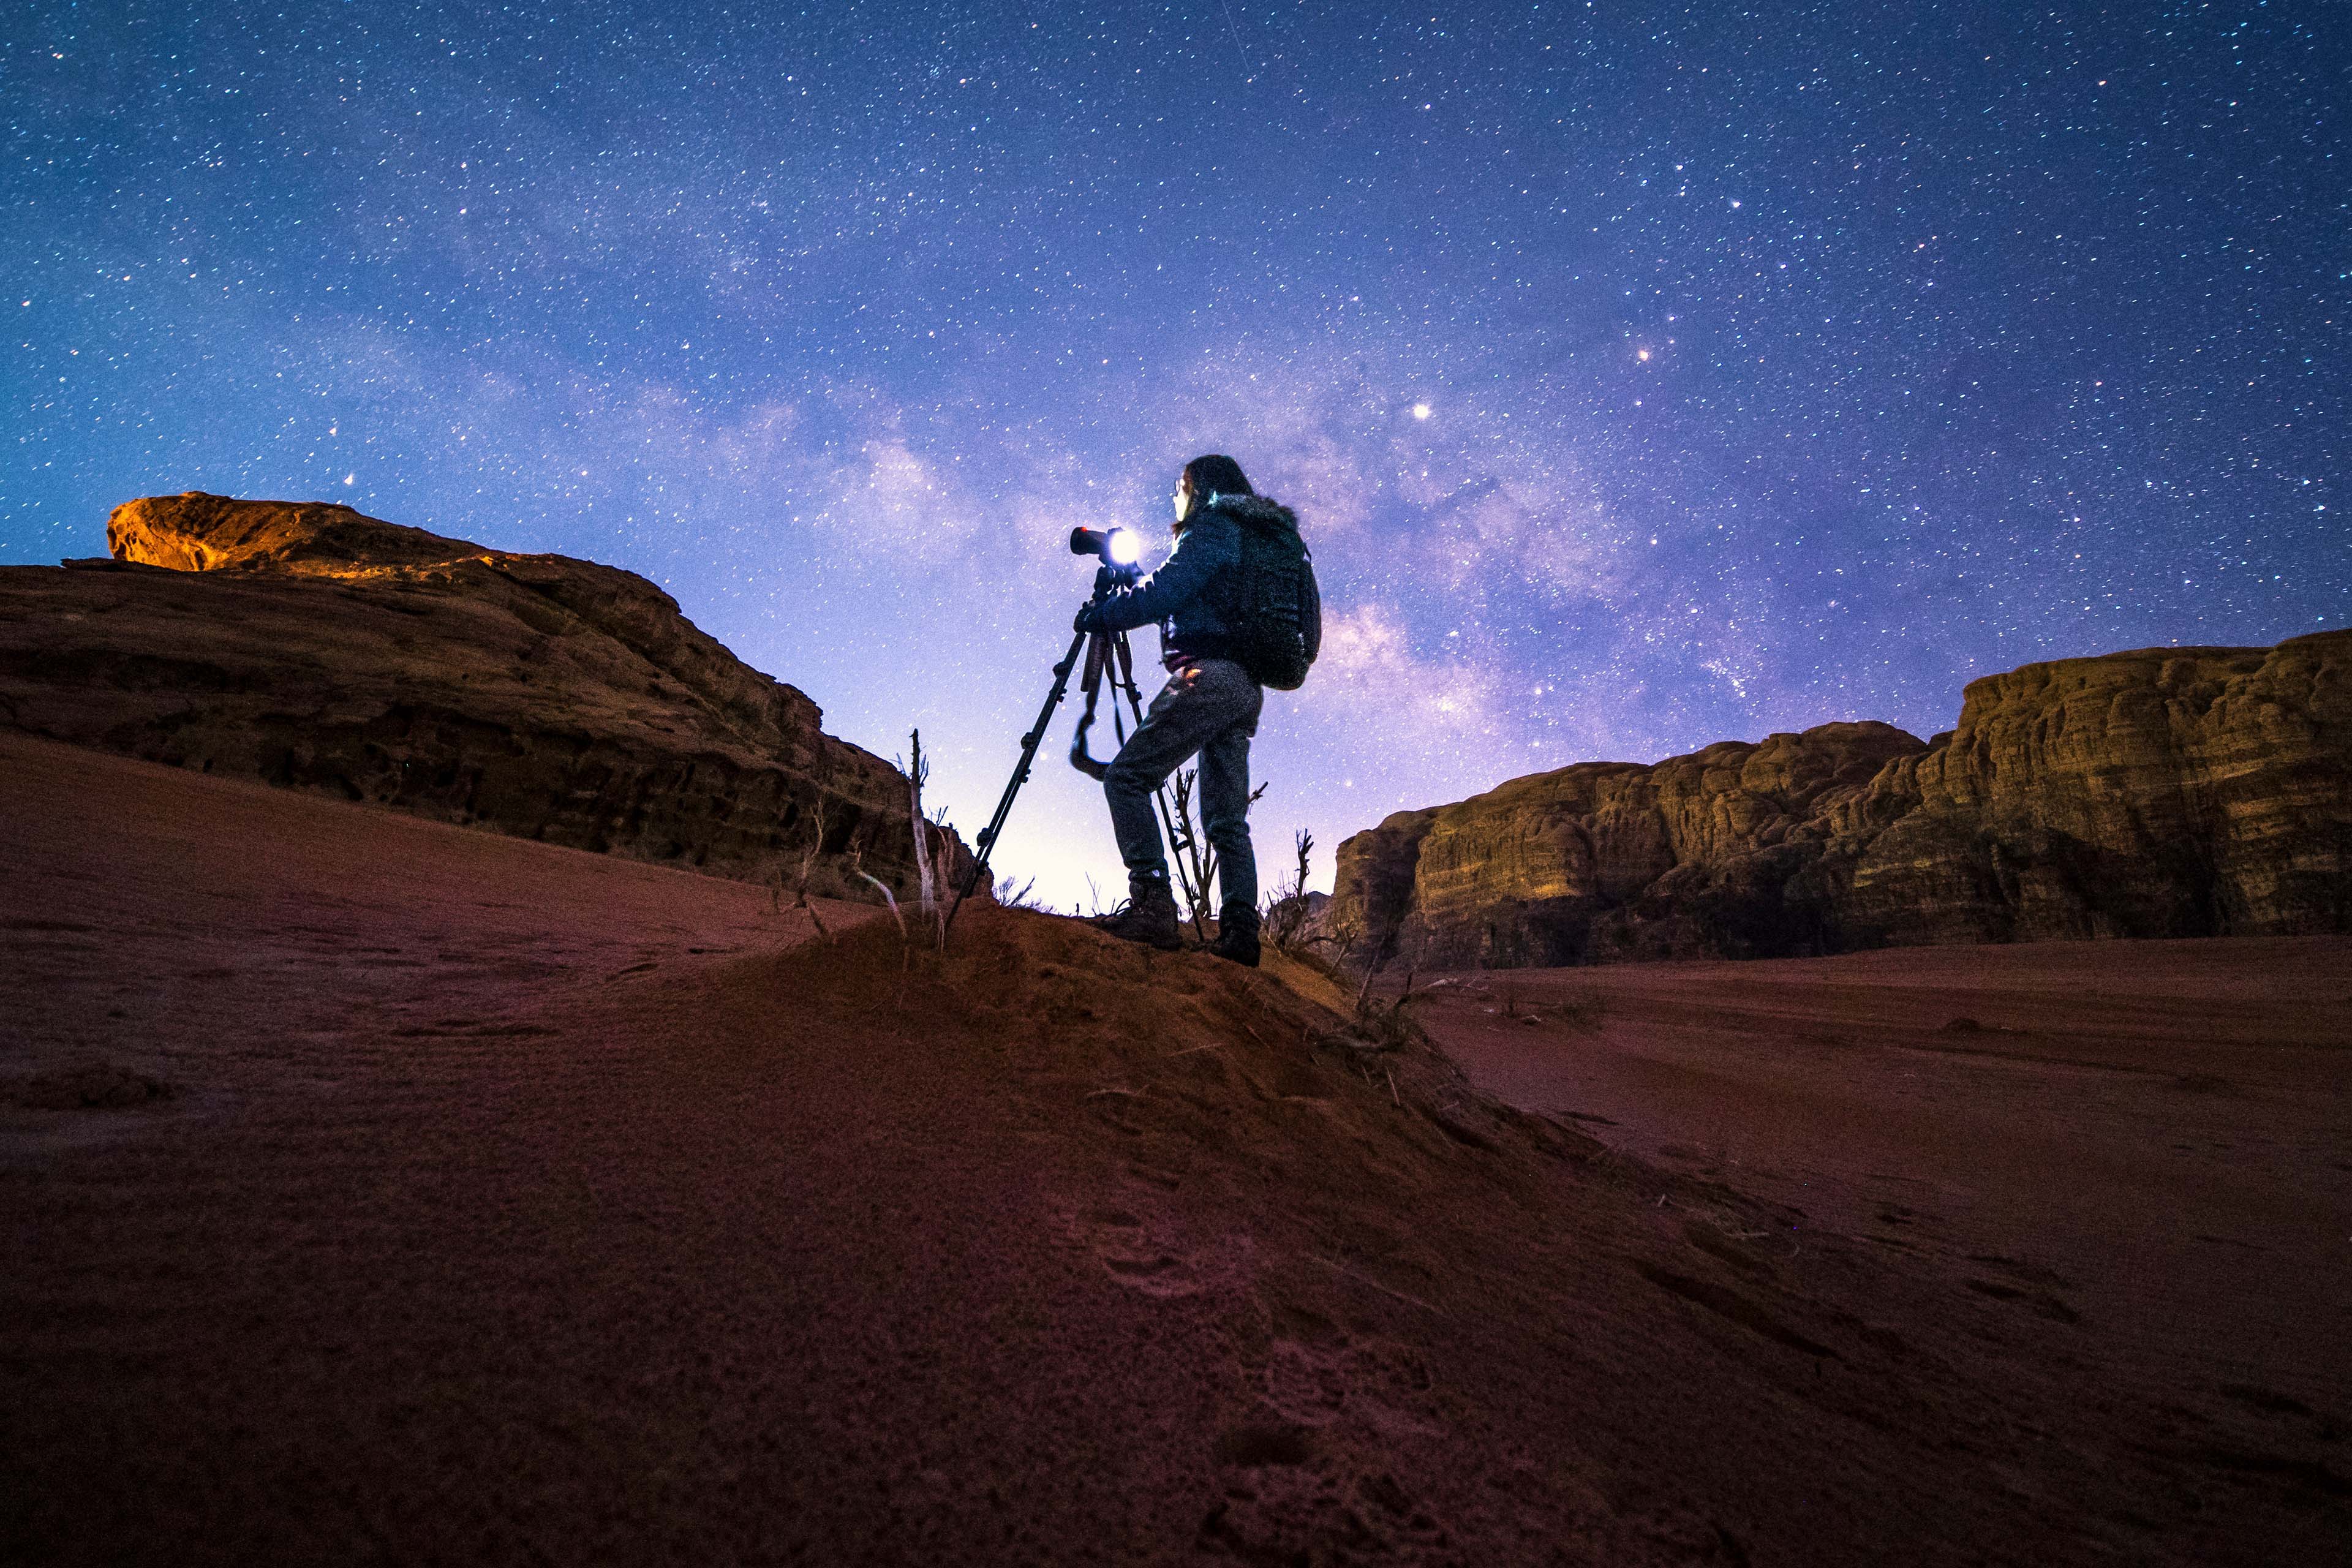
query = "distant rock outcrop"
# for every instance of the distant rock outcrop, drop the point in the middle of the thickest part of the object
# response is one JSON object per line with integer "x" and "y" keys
{"x": 2169, "y": 792}
{"x": 310, "y": 645}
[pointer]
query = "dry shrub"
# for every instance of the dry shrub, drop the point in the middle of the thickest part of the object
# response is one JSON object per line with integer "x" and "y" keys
{"x": 1391, "y": 1023}
{"x": 1285, "y": 915}
{"x": 1017, "y": 895}
{"x": 1388, "y": 1025}
{"x": 1580, "y": 1009}
{"x": 1584, "y": 1009}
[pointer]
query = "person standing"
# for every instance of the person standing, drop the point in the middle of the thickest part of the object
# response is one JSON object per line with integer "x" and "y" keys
{"x": 1238, "y": 609}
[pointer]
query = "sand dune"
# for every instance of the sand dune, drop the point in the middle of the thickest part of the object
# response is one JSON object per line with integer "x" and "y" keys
{"x": 455, "y": 1198}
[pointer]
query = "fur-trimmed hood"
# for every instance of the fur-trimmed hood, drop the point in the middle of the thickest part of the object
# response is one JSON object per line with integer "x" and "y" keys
{"x": 1250, "y": 510}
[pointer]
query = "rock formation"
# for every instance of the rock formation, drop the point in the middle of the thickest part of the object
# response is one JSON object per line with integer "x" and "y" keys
{"x": 2169, "y": 792}
{"x": 312, "y": 647}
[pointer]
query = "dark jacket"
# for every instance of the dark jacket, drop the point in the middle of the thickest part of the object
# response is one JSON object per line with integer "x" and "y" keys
{"x": 1186, "y": 596}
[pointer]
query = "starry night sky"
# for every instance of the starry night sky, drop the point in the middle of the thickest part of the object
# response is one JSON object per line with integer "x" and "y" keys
{"x": 1644, "y": 377}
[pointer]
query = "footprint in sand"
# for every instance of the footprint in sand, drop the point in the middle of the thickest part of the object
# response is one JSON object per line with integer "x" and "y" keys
{"x": 1294, "y": 1494}
{"x": 1316, "y": 1374}
{"x": 1124, "y": 1246}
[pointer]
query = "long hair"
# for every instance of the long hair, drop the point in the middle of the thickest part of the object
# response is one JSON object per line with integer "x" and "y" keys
{"x": 1212, "y": 474}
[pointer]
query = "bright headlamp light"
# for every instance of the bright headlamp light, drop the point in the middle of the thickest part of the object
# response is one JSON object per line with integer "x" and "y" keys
{"x": 1113, "y": 547}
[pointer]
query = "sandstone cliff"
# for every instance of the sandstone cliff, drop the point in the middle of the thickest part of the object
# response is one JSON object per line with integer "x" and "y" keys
{"x": 560, "y": 699}
{"x": 2169, "y": 792}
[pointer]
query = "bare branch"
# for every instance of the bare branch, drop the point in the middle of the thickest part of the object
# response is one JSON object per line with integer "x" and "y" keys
{"x": 890, "y": 899}
{"x": 1194, "y": 866}
{"x": 809, "y": 853}
{"x": 918, "y": 771}
{"x": 1286, "y": 914}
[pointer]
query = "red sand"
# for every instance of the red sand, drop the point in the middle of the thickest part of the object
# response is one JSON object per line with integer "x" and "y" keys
{"x": 516, "y": 1205}
{"x": 2156, "y": 1137}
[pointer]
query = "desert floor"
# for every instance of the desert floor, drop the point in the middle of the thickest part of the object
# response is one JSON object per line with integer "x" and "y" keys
{"x": 2150, "y": 1140}
{"x": 374, "y": 1188}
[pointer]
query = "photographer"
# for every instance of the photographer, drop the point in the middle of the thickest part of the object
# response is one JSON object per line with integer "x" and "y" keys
{"x": 1237, "y": 554}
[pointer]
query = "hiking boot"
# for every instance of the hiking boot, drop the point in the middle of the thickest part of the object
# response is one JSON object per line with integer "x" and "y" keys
{"x": 1237, "y": 937}
{"x": 1149, "y": 915}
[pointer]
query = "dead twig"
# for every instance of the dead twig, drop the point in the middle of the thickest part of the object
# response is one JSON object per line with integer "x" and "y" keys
{"x": 1288, "y": 913}
{"x": 1195, "y": 858}
{"x": 814, "y": 919}
{"x": 1196, "y": 863}
{"x": 918, "y": 771}
{"x": 809, "y": 853}
{"x": 934, "y": 864}
{"x": 888, "y": 897}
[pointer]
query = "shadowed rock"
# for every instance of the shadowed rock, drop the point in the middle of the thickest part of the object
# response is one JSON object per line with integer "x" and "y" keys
{"x": 310, "y": 645}
{"x": 2168, "y": 792}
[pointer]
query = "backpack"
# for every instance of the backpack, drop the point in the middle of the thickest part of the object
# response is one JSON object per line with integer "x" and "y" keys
{"x": 1271, "y": 606}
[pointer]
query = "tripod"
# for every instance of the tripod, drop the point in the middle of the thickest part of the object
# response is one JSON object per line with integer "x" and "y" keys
{"x": 1106, "y": 653}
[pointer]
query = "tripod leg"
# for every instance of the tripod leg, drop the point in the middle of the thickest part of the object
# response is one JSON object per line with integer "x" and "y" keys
{"x": 985, "y": 846}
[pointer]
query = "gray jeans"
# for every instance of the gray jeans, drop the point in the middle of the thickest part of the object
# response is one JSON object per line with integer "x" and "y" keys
{"x": 1211, "y": 707}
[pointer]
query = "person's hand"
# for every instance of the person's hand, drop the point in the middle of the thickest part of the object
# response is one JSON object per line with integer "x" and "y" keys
{"x": 1088, "y": 619}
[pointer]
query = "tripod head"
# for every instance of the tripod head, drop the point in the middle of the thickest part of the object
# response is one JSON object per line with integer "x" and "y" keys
{"x": 1109, "y": 580}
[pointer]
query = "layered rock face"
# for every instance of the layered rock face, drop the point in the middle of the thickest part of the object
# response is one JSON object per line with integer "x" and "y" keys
{"x": 309, "y": 646}
{"x": 2169, "y": 792}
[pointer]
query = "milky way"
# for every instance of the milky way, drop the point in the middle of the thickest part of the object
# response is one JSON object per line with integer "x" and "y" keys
{"x": 1642, "y": 378}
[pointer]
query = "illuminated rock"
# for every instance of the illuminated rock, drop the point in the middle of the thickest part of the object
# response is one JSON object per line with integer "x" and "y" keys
{"x": 312, "y": 647}
{"x": 2169, "y": 792}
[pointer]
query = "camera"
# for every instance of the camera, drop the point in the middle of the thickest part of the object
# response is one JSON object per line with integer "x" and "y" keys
{"x": 1117, "y": 548}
